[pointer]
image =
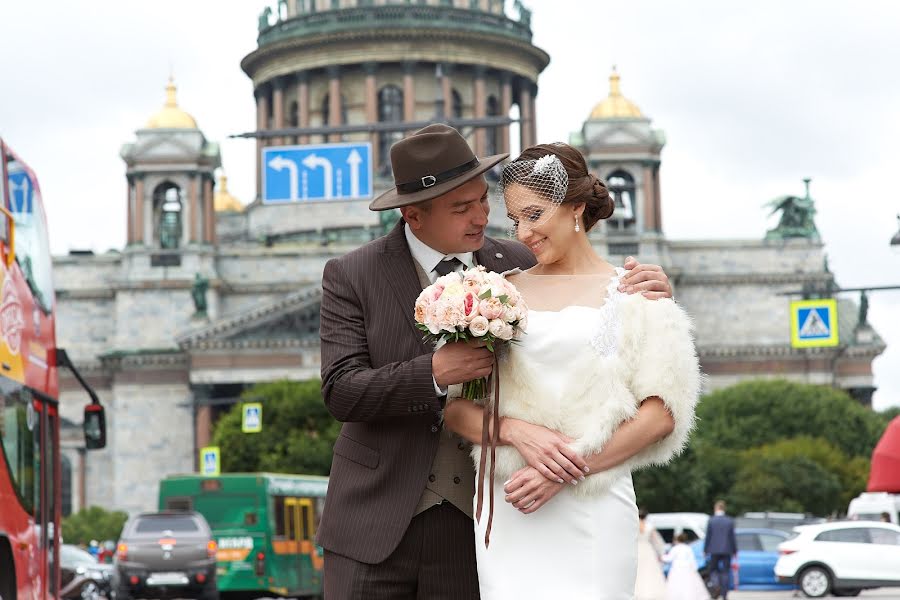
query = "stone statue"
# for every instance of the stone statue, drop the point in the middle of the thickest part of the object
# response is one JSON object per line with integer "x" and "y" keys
{"x": 264, "y": 18}
{"x": 524, "y": 13}
{"x": 863, "y": 309}
{"x": 198, "y": 293}
{"x": 796, "y": 217}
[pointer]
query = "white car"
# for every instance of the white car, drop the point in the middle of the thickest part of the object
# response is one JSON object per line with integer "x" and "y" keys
{"x": 841, "y": 558}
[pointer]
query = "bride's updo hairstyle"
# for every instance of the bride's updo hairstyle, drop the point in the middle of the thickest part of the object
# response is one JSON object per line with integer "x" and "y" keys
{"x": 583, "y": 186}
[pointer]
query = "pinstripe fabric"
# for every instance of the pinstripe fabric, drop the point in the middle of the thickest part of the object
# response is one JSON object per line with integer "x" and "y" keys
{"x": 376, "y": 378}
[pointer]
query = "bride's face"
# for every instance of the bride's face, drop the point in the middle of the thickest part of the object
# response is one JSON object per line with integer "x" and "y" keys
{"x": 547, "y": 228}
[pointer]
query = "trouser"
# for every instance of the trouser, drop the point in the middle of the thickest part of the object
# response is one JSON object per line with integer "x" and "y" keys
{"x": 720, "y": 571}
{"x": 434, "y": 560}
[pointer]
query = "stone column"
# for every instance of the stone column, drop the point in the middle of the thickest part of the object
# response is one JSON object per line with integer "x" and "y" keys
{"x": 262, "y": 120}
{"x": 303, "y": 103}
{"x": 648, "y": 211}
{"x": 194, "y": 214}
{"x": 129, "y": 229}
{"x": 334, "y": 101}
{"x": 505, "y": 106}
{"x": 139, "y": 209}
{"x": 203, "y": 427}
{"x": 480, "y": 110}
{"x": 371, "y": 106}
{"x": 525, "y": 116}
{"x": 657, "y": 200}
{"x": 209, "y": 233}
{"x": 278, "y": 109}
{"x": 447, "y": 90}
{"x": 532, "y": 93}
{"x": 409, "y": 92}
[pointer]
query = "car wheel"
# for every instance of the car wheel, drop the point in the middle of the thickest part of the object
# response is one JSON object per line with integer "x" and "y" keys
{"x": 846, "y": 593}
{"x": 815, "y": 582}
{"x": 89, "y": 591}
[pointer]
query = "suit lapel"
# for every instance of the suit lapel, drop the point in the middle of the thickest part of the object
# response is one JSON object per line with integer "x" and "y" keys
{"x": 398, "y": 269}
{"x": 491, "y": 256}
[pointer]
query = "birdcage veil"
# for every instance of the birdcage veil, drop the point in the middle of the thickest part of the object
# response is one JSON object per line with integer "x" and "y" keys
{"x": 530, "y": 191}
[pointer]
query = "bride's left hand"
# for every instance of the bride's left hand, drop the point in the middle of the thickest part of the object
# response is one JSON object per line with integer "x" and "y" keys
{"x": 528, "y": 490}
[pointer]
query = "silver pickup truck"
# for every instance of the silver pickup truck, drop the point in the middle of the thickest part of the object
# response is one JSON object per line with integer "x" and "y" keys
{"x": 167, "y": 555}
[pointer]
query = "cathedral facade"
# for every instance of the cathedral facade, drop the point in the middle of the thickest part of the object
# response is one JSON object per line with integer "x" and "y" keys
{"x": 210, "y": 296}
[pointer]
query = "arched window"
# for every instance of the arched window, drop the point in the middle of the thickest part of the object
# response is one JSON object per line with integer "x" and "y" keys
{"x": 457, "y": 111}
{"x": 294, "y": 114}
{"x": 390, "y": 110}
{"x": 621, "y": 186}
{"x": 492, "y": 134}
{"x": 167, "y": 204}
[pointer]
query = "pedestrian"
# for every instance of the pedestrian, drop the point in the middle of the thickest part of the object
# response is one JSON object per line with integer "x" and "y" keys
{"x": 684, "y": 582}
{"x": 397, "y": 521}
{"x": 885, "y": 517}
{"x": 719, "y": 547}
{"x": 650, "y": 583}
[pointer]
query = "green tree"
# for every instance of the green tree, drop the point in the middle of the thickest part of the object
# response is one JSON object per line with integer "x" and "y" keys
{"x": 681, "y": 485}
{"x": 889, "y": 414}
{"x": 94, "y": 523}
{"x": 754, "y": 413}
{"x": 298, "y": 432}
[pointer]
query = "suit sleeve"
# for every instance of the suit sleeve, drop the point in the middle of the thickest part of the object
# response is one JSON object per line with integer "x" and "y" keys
{"x": 734, "y": 547}
{"x": 667, "y": 367}
{"x": 352, "y": 389}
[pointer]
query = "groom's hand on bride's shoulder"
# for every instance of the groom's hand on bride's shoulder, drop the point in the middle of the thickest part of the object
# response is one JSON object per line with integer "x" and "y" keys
{"x": 459, "y": 362}
{"x": 649, "y": 280}
{"x": 528, "y": 490}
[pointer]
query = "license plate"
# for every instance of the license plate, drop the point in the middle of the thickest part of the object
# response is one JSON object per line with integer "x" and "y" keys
{"x": 167, "y": 579}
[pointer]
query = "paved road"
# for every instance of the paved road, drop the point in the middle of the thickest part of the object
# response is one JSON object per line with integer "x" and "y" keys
{"x": 883, "y": 594}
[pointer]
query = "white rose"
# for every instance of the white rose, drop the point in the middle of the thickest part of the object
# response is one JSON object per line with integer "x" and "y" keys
{"x": 479, "y": 326}
{"x": 510, "y": 314}
{"x": 495, "y": 327}
{"x": 506, "y": 332}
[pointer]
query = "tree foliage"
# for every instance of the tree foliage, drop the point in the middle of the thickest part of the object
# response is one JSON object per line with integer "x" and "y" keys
{"x": 297, "y": 436}
{"x": 94, "y": 523}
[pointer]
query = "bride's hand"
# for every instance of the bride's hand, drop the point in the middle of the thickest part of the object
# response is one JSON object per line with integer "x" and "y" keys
{"x": 545, "y": 450}
{"x": 528, "y": 490}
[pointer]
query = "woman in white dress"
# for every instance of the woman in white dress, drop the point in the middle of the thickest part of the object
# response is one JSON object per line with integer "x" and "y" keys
{"x": 650, "y": 583}
{"x": 617, "y": 377}
{"x": 684, "y": 582}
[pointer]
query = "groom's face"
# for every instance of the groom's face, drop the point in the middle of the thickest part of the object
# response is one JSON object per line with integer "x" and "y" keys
{"x": 454, "y": 222}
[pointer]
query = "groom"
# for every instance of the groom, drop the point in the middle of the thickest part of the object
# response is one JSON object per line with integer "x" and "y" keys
{"x": 397, "y": 521}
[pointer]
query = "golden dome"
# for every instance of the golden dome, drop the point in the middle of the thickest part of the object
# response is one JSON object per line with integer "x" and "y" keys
{"x": 616, "y": 106}
{"x": 171, "y": 117}
{"x": 223, "y": 201}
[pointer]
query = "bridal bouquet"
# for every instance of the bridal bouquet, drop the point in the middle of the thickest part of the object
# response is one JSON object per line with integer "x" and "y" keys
{"x": 471, "y": 305}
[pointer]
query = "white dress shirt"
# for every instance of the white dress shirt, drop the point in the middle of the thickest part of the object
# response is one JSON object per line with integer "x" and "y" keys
{"x": 428, "y": 258}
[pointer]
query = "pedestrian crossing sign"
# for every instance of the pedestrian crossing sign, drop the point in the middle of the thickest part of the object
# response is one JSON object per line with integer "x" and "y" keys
{"x": 251, "y": 421}
{"x": 209, "y": 460}
{"x": 814, "y": 323}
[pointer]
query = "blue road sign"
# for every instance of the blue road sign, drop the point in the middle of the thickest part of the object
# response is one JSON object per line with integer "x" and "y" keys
{"x": 317, "y": 172}
{"x": 209, "y": 460}
{"x": 814, "y": 323}
{"x": 252, "y": 417}
{"x": 21, "y": 193}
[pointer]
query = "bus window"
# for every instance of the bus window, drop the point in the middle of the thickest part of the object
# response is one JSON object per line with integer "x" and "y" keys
{"x": 182, "y": 503}
{"x": 32, "y": 244}
{"x": 20, "y": 433}
{"x": 306, "y": 519}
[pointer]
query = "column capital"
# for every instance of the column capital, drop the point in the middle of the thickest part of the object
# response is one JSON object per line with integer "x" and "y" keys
{"x": 506, "y": 78}
{"x": 262, "y": 90}
{"x": 333, "y": 71}
{"x": 301, "y": 76}
{"x": 409, "y": 66}
{"x": 447, "y": 68}
{"x": 480, "y": 71}
{"x": 280, "y": 82}
{"x": 370, "y": 67}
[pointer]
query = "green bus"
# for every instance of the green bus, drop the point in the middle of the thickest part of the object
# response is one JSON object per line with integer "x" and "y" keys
{"x": 264, "y": 525}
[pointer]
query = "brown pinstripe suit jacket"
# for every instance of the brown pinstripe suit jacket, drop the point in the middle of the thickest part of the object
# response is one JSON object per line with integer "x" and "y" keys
{"x": 376, "y": 379}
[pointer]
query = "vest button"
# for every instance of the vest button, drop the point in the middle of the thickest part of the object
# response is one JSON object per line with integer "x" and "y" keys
{"x": 434, "y": 428}
{"x": 456, "y": 480}
{"x": 431, "y": 478}
{"x": 461, "y": 446}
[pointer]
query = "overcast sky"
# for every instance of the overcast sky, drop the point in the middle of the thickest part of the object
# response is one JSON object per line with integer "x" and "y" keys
{"x": 752, "y": 96}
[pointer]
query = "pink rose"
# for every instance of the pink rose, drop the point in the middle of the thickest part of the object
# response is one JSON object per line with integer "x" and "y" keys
{"x": 436, "y": 291}
{"x": 491, "y": 308}
{"x": 470, "y": 306}
{"x": 449, "y": 316}
{"x": 479, "y": 326}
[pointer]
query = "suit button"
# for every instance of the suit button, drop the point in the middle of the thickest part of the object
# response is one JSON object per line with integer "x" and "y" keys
{"x": 456, "y": 480}
{"x": 461, "y": 446}
{"x": 431, "y": 478}
{"x": 434, "y": 428}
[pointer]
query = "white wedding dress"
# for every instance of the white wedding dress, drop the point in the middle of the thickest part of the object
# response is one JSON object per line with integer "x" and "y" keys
{"x": 573, "y": 547}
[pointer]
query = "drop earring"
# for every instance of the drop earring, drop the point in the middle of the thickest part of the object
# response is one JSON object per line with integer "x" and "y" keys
{"x": 577, "y": 228}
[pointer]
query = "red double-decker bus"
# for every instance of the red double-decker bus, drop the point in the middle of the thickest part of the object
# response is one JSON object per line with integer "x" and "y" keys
{"x": 29, "y": 392}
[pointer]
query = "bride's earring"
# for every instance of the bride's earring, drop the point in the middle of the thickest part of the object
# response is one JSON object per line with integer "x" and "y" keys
{"x": 577, "y": 228}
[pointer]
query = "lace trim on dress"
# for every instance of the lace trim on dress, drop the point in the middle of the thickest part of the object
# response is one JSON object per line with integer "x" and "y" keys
{"x": 606, "y": 340}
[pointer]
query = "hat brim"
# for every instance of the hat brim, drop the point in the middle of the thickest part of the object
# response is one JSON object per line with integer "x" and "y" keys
{"x": 391, "y": 199}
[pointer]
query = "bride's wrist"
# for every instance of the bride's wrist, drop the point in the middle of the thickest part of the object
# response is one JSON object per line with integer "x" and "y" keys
{"x": 508, "y": 431}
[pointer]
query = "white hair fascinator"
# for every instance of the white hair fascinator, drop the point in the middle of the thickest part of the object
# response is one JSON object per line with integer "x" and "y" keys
{"x": 532, "y": 190}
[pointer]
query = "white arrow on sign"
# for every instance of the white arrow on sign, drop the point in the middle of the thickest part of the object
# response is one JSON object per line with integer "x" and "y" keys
{"x": 311, "y": 162}
{"x": 354, "y": 160}
{"x": 278, "y": 163}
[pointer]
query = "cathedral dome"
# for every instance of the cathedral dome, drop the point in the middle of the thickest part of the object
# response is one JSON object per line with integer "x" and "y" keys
{"x": 224, "y": 201}
{"x": 616, "y": 106}
{"x": 170, "y": 116}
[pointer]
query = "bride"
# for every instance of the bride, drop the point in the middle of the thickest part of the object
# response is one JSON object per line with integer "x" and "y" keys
{"x": 615, "y": 374}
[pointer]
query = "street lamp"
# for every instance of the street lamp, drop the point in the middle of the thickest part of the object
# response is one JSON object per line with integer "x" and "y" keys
{"x": 895, "y": 241}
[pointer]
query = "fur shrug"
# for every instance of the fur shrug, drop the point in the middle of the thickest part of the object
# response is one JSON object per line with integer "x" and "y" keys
{"x": 638, "y": 348}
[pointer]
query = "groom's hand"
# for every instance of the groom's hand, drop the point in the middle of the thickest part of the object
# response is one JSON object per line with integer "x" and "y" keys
{"x": 459, "y": 362}
{"x": 650, "y": 280}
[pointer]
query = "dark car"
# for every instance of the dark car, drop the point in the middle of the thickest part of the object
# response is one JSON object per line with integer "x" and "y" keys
{"x": 82, "y": 577}
{"x": 167, "y": 555}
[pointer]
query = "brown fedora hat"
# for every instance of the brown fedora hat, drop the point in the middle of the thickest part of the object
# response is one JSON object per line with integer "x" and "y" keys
{"x": 431, "y": 162}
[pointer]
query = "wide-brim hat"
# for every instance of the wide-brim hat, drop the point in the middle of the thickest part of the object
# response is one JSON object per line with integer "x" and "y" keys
{"x": 429, "y": 163}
